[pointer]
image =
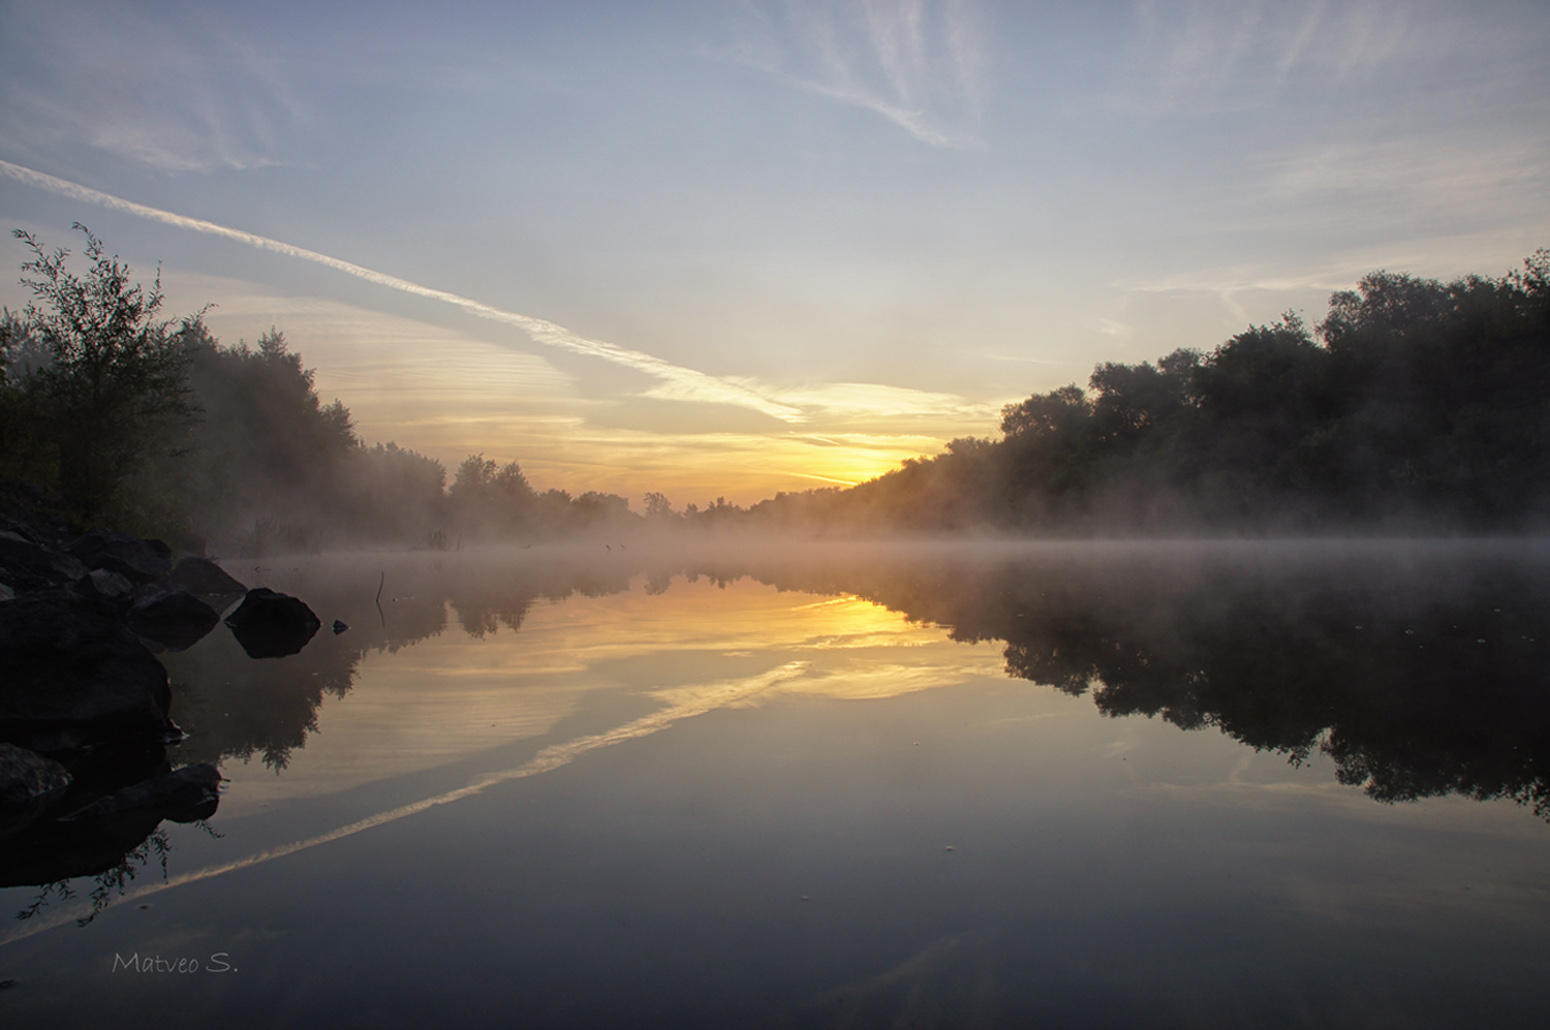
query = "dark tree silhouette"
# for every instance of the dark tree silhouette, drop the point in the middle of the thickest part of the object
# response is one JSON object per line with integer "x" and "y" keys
{"x": 112, "y": 378}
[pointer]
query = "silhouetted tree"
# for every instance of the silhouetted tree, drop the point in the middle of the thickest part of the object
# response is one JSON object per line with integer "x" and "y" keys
{"x": 112, "y": 379}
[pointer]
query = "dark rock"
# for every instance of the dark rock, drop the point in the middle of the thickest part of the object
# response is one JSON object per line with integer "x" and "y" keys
{"x": 271, "y": 625}
{"x": 29, "y": 511}
{"x": 172, "y": 618}
{"x": 339, "y": 627}
{"x": 202, "y": 576}
{"x": 50, "y": 851}
{"x": 141, "y": 561}
{"x": 183, "y": 796}
{"x": 27, "y": 566}
{"x": 107, "y": 586}
{"x": 29, "y": 785}
{"x": 71, "y": 674}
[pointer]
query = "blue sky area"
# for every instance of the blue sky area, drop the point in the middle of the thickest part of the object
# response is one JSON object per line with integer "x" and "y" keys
{"x": 740, "y": 247}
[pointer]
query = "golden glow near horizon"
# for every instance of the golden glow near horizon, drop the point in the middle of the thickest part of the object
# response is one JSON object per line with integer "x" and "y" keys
{"x": 447, "y": 394}
{"x": 695, "y": 648}
{"x": 756, "y": 247}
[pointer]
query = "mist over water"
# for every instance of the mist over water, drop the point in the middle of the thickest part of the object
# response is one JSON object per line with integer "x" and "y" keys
{"x": 764, "y": 783}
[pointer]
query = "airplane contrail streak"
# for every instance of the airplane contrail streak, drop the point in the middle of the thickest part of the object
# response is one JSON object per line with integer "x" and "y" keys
{"x": 682, "y": 383}
{"x": 708, "y": 698}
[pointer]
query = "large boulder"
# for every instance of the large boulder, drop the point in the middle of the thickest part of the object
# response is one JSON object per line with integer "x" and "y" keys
{"x": 172, "y": 618}
{"x": 72, "y": 674}
{"x": 203, "y": 577}
{"x": 185, "y": 795}
{"x": 26, "y": 565}
{"x": 271, "y": 625}
{"x": 55, "y": 847}
{"x": 51, "y": 850}
{"x": 110, "y": 587}
{"x": 141, "y": 561}
{"x": 29, "y": 786}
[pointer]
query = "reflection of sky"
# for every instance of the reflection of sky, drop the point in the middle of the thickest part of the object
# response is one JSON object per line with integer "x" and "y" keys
{"x": 736, "y": 804}
{"x": 692, "y": 649}
{"x": 889, "y": 216}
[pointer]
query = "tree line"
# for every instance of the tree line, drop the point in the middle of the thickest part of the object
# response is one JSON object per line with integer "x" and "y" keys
{"x": 152, "y": 425}
{"x": 1414, "y": 405}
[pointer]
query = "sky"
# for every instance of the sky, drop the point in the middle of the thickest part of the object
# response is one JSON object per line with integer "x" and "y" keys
{"x": 726, "y": 249}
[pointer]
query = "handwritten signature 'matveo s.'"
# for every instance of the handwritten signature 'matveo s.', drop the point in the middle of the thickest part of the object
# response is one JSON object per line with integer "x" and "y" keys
{"x": 217, "y": 963}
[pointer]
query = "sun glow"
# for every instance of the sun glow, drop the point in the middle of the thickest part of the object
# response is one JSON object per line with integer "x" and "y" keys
{"x": 447, "y": 697}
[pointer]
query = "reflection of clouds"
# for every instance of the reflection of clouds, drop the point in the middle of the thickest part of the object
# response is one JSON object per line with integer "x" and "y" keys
{"x": 448, "y": 697}
{"x": 683, "y": 704}
{"x": 443, "y": 698}
{"x": 860, "y": 640}
{"x": 872, "y": 681}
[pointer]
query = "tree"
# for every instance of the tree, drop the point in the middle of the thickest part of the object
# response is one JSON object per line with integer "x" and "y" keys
{"x": 487, "y": 497}
{"x": 112, "y": 380}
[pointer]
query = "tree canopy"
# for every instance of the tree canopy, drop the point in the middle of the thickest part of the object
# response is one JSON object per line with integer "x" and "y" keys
{"x": 109, "y": 377}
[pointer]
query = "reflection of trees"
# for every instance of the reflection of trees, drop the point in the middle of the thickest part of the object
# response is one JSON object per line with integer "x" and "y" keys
{"x": 110, "y": 883}
{"x": 232, "y": 706}
{"x": 1419, "y": 673}
{"x": 1368, "y": 655}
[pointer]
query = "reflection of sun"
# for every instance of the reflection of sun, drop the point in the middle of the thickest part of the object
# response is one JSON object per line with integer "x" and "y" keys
{"x": 697, "y": 647}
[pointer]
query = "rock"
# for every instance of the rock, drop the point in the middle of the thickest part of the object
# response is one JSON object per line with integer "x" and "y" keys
{"x": 50, "y": 851}
{"x": 72, "y": 674}
{"x": 29, "y": 785}
{"x": 271, "y": 625}
{"x": 182, "y": 796}
{"x": 27, "y": 566}
{"x": 202, "y": 576}
{"x": 6, "y": 593}
{"x": 173, "y": 618}
{"x": 339, "y": 627}
{"x": 141, "y": 561}
{"x": 109, "y": 586}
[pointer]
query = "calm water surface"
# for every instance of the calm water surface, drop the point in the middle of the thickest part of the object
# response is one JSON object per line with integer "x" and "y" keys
{"x": 1064, "y": 785}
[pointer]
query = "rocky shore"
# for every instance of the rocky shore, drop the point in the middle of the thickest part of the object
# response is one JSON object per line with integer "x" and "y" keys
{"x": 85, "y": 704}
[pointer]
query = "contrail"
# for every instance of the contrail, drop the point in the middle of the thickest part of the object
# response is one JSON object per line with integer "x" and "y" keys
{"x": 707, "y": 698}
{"x": 682, "y": 383}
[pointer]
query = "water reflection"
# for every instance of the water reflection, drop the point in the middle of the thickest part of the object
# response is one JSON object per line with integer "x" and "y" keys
{"x": 853, "y": 786}
{"x": 455, "y": 669}
{"x": 1419, "y": 669}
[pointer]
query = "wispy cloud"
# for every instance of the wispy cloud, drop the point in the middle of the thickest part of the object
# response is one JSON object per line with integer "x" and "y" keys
{"x": 678, "y": 382}
{"x": 182, "y": 96}
{"x": 873, "y": 401}
{"x": 1407, "y": 174}
{"x": 917, "y": 63}
{"x": 1231, "y": 52}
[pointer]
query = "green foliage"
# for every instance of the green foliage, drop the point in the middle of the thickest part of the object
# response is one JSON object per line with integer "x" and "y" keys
{"x": 110, "y": 384}
{"x": 1417, "y": 406}
{"x": 487, "y": 498}
{"x": 265, "y": 451}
